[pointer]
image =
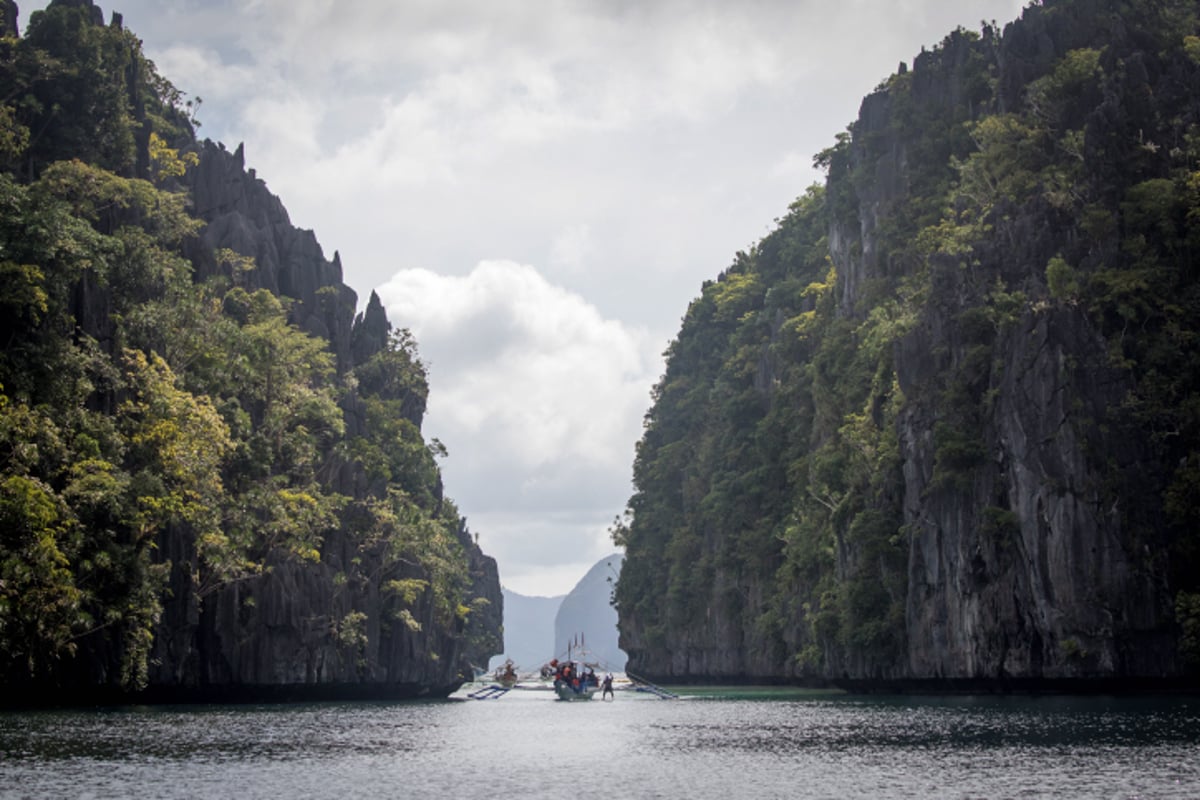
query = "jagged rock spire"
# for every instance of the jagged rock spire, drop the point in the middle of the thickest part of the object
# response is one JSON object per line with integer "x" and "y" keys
{"x": 371, "y": 330}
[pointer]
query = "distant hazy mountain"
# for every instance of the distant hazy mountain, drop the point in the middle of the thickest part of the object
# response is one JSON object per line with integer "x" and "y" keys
{"x": 528, "y": 630}
{"x": 586, "y": 614}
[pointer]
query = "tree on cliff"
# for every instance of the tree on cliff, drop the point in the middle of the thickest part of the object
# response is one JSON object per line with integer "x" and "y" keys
{"x": 941, "y": 423}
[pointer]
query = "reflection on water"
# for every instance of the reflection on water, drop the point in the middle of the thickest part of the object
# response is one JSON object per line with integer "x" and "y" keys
{"x": 719, "y": 743}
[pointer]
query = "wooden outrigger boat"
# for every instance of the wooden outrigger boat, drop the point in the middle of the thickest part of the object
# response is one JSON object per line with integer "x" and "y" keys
{"x": 575, "y": 678}
{"x": 506, "y": 674}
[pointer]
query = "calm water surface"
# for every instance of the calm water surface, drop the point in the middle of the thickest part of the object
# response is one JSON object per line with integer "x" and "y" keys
{"x": 767, "y": 744}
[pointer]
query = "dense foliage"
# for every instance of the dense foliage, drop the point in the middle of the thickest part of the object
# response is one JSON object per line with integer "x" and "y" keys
{"x": 139, "y": 407}
{"x": 1006, "y": 182}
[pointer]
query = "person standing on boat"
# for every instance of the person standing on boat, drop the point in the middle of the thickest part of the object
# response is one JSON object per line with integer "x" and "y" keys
{"x": 607, "y": 687}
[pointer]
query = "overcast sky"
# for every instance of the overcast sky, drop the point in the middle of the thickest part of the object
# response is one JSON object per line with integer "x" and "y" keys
{"x": 537, "y": 190}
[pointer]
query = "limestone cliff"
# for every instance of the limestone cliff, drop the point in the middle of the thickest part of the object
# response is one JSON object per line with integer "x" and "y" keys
{"x": 214, "y": 483}
{"x": 932, "y": 430}
{"x": 286, "y": 631}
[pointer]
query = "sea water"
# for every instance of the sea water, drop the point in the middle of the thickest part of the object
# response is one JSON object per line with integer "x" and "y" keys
{"x": 526, "y": 744}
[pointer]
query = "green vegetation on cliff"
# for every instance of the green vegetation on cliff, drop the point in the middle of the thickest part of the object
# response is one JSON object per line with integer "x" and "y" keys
{"x": 942, "y": 421}
{"x": 168, "y": 441}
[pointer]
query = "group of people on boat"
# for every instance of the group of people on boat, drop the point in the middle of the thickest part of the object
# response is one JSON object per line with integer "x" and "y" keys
{"x": 575, "y": 676}
{"x": 578, "y": 678}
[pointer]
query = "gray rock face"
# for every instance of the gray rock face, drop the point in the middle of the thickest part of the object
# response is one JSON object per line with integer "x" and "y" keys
{"x": 1032, "y": 569}
{"x": 1047, "y": 586}
{"x": 281, "y": 634}
{"x": 243, "y": 216}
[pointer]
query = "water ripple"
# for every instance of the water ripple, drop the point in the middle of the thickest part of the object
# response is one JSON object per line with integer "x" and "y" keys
{"x": 533, "y": 747}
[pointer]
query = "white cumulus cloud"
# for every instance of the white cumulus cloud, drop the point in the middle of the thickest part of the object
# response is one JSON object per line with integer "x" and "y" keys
{"x": 539, "y": 400}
